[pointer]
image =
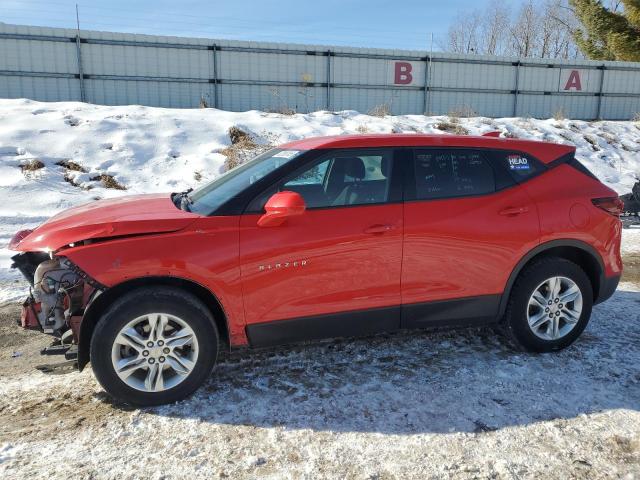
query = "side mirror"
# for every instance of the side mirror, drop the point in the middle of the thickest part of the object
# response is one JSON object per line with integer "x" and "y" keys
{"x": 281, "y": 206}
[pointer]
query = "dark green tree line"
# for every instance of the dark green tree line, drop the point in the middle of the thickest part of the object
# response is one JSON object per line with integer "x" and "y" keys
{"x": 606, "y": 33}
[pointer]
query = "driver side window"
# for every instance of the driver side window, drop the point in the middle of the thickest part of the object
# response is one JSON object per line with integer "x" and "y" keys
{"x": 344, "y": 178}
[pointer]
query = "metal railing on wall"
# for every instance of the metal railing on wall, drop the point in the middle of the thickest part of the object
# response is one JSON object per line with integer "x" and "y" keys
{"x": 217, "y": 79}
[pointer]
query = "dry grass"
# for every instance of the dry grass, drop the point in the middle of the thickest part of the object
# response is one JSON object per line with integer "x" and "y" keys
{"x": 452, "y": 126}
{"x": 636, "y": 118}
{"x": 197, "y": 176}
{"x": 362, "y": 129}
{"x": 70, "y": 180}
{"x": 609, "y": 138}
{"x": 559, "y": 114}
{"x": 593, "y": 142}
{"x": 243, "y": 147}
{"x": 463, "y": 111}
{"x": 510, "y": 134}
{"x": 108, "y": 181}
{"x": 237, "y": 135}
{"x": 32, "y": 166}
{"x": 73, "y": 166}
{"x": 566, "y": 135}
{"x": 381, "y": 110}
{"x": 284, "y": 110}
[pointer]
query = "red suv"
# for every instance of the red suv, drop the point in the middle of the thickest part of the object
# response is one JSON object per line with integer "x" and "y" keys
{"x": 325, "y": 237}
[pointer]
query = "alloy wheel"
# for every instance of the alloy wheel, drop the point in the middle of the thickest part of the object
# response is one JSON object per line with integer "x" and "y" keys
{"x": 154, "y": 352}
{"x": 554, "y": 308}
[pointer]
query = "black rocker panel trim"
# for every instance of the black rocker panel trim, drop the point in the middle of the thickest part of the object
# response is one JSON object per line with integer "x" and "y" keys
{"x": 344, "y": 324}
{"x": 467, "y": 311}
{"x": 447, "y": 313}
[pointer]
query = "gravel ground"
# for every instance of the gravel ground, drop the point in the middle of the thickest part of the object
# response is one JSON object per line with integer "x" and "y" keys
{"x": 455, "y": 404}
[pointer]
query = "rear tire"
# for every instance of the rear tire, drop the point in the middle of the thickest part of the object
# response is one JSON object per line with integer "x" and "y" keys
{"x": 550, "y": 305}
{"x": 154, "y": 346}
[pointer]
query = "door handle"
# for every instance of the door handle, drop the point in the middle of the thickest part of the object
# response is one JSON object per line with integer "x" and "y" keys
{"x": 513, "y": 211}
{"x": 379, "y": 228}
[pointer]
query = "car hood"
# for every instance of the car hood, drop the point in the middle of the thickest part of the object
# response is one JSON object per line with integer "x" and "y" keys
{"x": 105, "y": 219}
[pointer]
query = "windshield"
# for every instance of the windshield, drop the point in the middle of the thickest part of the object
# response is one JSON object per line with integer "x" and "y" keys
{"x": 211, "y": 196}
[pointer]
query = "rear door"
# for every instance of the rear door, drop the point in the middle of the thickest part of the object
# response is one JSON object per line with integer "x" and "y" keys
{"x": 335, "y": 270}
{"x": 467, "y": 223}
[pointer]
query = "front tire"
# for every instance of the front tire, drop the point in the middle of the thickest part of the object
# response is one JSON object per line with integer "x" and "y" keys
{"x": 154, "y": 346}
{"x": 550, "y": 305}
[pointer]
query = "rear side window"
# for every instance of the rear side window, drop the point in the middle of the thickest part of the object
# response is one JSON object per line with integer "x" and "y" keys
{"x": 519, "y": 165}
{"x": 452, "y": 173}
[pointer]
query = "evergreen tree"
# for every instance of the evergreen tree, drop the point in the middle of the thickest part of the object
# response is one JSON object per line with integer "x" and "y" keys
{"x": 608, "y": 35}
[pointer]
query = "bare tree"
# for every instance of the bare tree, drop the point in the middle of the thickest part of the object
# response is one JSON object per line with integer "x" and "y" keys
{"x": 525, "y": 37}
{"x": 539, "y": 28}
{"x": 493, "y": 28}
{"x": 559, "y": 23}
{"x": 463, "y": 36}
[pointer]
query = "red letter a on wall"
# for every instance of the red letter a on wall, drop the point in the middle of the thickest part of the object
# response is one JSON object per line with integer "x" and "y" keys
{"x": 403, "y": 73}
{"x": 574, "y": 81}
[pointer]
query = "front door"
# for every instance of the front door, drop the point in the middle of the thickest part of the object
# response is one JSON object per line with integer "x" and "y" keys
{"x": 334, "y": 270}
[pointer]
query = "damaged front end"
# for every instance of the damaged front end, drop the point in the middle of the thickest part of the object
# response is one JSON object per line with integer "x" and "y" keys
{"x": 62, "y": 293}
{"x": 58, "y": 298}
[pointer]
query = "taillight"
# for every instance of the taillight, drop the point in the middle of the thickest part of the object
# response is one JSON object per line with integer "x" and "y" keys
{"x": 612, "y": 205}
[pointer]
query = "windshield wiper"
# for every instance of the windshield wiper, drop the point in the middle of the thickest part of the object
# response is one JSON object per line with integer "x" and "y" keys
{"x": 183, "y": 200}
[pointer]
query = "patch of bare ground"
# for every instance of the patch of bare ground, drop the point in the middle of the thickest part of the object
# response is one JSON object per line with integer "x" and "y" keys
{"x": 452, "y": 126}
{"x": 71, "y": 165}
{"x": 50, "y": 414}
{"x": 19, "y": 348}
{"x": 108, "y": 181}
{"x": 31, "y": 166}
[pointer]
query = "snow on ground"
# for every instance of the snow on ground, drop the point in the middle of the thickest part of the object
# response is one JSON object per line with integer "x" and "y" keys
{"x": 149, "y": 149}
{"x": 456, "y": 404}
{"x": 452, "y": 404}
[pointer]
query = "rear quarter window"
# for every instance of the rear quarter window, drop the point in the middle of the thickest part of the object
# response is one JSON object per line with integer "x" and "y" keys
{"x": 519, "y": 166}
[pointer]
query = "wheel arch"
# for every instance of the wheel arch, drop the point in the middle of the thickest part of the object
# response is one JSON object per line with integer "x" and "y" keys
{"x": 103, "y": 300}
{"x": 577, "y": 251}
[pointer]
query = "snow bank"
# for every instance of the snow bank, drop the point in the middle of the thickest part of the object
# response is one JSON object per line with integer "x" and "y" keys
{"x": 148, "y": 149}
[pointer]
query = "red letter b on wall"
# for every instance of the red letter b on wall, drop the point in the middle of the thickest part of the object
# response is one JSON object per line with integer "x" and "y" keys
{"x": 403, "y": 73}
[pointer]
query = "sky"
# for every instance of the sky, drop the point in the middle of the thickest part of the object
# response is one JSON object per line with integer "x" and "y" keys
{"x": 407, "y": 24}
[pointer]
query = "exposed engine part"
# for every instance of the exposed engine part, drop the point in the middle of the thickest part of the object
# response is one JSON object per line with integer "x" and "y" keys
{"x": 59, "y": 289}
{"x": 60, "y": 293}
